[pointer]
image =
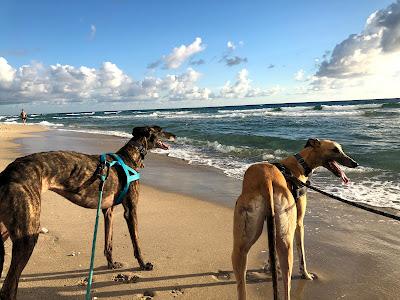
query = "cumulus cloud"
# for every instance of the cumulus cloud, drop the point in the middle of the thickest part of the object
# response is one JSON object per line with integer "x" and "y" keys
{"x": 365, "y": 60}
{"x": 92, "y": 31}
{"x": 232, "y": 60}
{"x": 7, "y": 73}
{"x": 183, "y": 87}
{"x": 300, "y": 75}
{"x": 242, "y": 88}
{"x": 230, "y": 45}
{"x": 180, "y": 54}
{"x": 64, "y": 84}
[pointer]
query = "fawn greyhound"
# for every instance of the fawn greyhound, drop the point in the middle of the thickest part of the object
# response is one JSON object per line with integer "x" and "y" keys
{"x": 72, "y": 175}
{"x": 266, "y": 195}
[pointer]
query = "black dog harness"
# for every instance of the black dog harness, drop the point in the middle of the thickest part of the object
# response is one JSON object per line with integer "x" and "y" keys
{"x": 297, "y": 189}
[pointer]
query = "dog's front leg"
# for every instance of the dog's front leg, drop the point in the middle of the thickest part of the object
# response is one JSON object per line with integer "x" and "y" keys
{"x": 130, "y": 214}
{"x": 301, "y": 210}
{"x": 108, "y": 239}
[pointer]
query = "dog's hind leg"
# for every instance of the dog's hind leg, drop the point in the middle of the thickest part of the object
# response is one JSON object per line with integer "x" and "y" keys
{"x": 108, "y": 239}
{"x": 248, "y": 223}
{"x": 130, "y": 215}
{"x": 22, "y": 221}
{"x": 285, "y": 227}
{"x": 21, "y": 252}
{"x": 299, "y": 237}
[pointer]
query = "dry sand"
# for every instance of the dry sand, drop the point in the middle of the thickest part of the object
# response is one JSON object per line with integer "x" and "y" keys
{"x": 355, "y": 254}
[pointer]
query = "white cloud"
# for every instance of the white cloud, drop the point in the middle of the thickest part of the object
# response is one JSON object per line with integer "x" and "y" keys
{"x": 300, "y": 75}
{"x": 183, "y": 87}
{"x": 230, "y": 45}
{"x": 7, "y": 73}
{"x": 65, "y": 84}
{"x": 365, "y": 65}
{"x": 92, "y": 31}
{"x": 242, "y": 88}
{"x": 180, "y": 54}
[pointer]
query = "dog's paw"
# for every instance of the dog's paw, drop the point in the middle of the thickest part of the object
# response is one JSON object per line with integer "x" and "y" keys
{"x": 115, "y": 265}
{"x": 147, "y": 267}
{"x": 309, "y": 276}
{"x": 267, "y": 269}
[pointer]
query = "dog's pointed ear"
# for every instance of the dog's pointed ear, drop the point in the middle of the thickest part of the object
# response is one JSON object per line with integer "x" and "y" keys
{"x": 141, "y": 132}
{"x": 313, "y": 143}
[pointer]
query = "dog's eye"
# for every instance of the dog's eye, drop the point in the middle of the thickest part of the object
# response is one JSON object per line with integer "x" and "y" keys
{"x": 336, "y": 150}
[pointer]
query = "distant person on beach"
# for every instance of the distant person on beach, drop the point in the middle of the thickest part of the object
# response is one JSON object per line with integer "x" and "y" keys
{"x": 23, "y": 116}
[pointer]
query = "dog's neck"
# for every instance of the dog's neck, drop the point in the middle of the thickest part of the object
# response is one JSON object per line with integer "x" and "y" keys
{"x": 310, "y": 158}
{"x": 133, "y": 152}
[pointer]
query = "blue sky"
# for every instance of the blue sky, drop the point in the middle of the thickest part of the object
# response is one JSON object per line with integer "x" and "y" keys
{"x": 246, "y": 52}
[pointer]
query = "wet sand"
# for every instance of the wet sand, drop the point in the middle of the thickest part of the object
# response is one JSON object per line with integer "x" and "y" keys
{"x": 354, "y": 253}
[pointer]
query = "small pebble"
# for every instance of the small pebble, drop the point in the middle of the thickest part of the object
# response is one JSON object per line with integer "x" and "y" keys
{"x": 44, "y": 230}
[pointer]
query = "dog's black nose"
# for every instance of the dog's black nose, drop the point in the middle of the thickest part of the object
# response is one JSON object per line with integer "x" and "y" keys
{"x": 355, "y": 164}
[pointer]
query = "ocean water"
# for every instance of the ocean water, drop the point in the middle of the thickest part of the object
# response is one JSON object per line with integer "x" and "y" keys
{"x": 232, "y": 138}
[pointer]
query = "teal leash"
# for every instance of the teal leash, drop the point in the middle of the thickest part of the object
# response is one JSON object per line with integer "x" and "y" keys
{"x": 131, "y": 175}
{"x": 96, "y": 226}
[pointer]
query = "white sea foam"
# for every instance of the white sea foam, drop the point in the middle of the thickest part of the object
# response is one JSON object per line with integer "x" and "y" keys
{"x": 103, "y": 132}
{"x": 112, "y": 112}
{"x": 371, "y": 191}
{"x": 81, "y": 114}
{"x": 49, "y": 124}
{"x": 351, "y": 107}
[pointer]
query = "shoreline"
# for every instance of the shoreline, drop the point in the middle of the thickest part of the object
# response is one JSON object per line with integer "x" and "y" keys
{"x": 189, "y": 240}
{"x": 157, "y": 172}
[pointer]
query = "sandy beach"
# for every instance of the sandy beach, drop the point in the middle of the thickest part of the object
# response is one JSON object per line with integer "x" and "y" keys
{"x": 185, "y": 231}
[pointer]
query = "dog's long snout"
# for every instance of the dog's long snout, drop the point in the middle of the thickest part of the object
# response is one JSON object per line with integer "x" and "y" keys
{"x": 169, "y": 136}
{"x": 349, "y": 162}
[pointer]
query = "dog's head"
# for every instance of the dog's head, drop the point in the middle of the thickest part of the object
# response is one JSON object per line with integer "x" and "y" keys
{"x": 330, "y": 154}
{"x": 153, "y": 136}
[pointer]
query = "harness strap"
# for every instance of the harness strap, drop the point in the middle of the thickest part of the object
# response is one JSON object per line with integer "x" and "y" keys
{"x": 130, "y": 174}
{"x": 296, "y": 189}
{"x": 302, "y": 162}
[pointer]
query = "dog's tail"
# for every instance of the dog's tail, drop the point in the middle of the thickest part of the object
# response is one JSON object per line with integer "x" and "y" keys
{"x": 271, "y": 229}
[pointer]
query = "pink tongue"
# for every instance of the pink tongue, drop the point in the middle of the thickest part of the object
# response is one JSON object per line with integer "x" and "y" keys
{"x": 163, "y": 145}
{"x": 345, "y": 179}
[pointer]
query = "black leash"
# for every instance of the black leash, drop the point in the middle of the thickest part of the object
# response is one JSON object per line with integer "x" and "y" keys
{"x": 298, "y": 192}
{"x": 355, "y": 204}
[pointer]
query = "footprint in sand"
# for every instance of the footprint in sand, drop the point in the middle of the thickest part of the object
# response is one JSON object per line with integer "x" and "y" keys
{"x": 148, "y": 295}
{"x": 126, "y": 278}
{"x": 176, "y": 292}
{"x": 221, "y": 275}
{"x": 256, "y": 276}
{"x": 84, "y": 282}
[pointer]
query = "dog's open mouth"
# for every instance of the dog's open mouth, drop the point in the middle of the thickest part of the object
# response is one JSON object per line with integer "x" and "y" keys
{"x": 333, "y": 166}
{"x": 160, "y": 144}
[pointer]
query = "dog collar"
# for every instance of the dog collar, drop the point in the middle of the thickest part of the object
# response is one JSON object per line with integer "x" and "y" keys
{"x": 302, "y": 162}
{"x": 142, "y": 149}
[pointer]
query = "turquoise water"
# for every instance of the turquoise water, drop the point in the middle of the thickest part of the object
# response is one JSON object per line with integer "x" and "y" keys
{"x": 231, "y": 138}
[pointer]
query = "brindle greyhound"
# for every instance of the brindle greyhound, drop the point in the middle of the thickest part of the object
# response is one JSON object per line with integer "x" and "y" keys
{"x": 73, "y": 176}
{"x": 267, "y": 195}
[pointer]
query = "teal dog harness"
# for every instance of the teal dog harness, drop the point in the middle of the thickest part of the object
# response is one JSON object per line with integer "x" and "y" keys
{"x": 131, "y": 174}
